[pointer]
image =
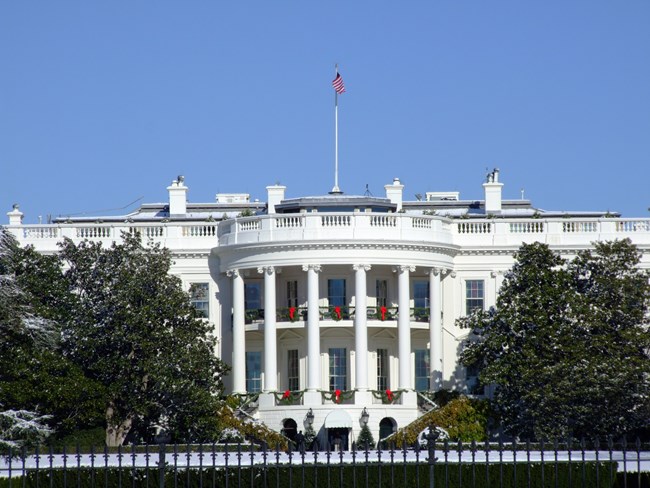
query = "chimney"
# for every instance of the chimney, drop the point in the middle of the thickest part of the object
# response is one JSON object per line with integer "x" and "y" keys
{"x": 15, "y": 216}
{"x": 493, "y": 192}
{"x": 177, "y": 196}
{"x": 275, "y": 196}
{"x": 394, "y": 193}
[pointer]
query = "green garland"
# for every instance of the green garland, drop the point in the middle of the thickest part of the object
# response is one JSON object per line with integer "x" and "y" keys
{"x": 288, "y": 397}
{"x": 337, "y": 396}
{"x": 387, "y": 397}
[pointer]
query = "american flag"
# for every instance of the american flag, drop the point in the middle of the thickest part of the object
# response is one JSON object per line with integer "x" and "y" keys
{"x": 337, "y": 83}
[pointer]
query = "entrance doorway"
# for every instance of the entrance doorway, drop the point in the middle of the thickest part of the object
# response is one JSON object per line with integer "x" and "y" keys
{"x": 290, "y": 428}
{"x": 386, "y": 427}
{"x": 338, "y": 438}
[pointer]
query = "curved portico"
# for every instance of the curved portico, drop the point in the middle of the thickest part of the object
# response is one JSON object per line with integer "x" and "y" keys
{"x": 396, "y": 253}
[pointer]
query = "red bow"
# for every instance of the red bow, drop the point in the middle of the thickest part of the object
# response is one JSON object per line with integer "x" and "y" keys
{"x": 292, "y": 312}
{"x": 337, "y": 396}
{"x": 383, "y": 313}
{"x": 286, "y": 394}
{"x": 337, "y": 311}
{"x": 389, "y": 395}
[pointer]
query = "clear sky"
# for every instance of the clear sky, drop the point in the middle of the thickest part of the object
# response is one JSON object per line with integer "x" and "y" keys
{"x": 102, "y": 103}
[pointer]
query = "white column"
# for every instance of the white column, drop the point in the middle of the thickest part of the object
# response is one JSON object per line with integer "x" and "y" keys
{"x": 361, "y": 326}
{"x": 238, "y": 333}
{"x": 404, "y": 327}
{"x": 435, "y": 330}
{"x": 270, "y": 333}
{"x": 313, "y": 328}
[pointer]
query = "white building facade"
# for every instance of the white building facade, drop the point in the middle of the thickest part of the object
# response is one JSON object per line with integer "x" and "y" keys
{"x": 339, "y": 310}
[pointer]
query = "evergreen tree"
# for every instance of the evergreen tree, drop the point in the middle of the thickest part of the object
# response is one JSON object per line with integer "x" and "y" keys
{"x": 365, "y": 438}
{"x": 567, "y": 345}
{"x": 134, "y": 330}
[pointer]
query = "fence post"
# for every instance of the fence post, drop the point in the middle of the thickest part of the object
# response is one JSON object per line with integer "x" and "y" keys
{"x": 161, "y": 465}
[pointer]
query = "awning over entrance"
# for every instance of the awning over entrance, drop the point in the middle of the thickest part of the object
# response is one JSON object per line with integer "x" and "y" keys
{"x": 338, "y": 419}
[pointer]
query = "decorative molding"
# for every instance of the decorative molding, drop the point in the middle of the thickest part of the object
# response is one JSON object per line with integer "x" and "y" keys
{"x": 233, "y": 273}
{"x": 365, "y": 267}
{"x": 403, "y": 267}
{"x": 268, "y": 270}
{"x": 451, "y": 251}
{"x": 313, "y": 267}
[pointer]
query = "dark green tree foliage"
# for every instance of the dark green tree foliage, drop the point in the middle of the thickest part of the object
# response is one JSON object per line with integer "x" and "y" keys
{"x": 567, "y": 345}
{"x": 134, "y": 330}
{"x": 34, "y": 376}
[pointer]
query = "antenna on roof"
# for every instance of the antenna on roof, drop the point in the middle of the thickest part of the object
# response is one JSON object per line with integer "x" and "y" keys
{"x": 418, "y": 197}
{"x": 367, "y": 193}
{"x": 522, "y": 193}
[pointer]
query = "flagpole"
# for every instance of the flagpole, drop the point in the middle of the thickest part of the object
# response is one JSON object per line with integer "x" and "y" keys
{"x": 336, "y": 136}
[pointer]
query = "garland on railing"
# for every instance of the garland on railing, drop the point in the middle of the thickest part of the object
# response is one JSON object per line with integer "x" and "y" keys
{"x": 336, "y": 313}
{"x": 382, "y": 313}
{"x": 387, "y": 396}
{"x": 337, "y": 396}
{"x": 288, "y": 397}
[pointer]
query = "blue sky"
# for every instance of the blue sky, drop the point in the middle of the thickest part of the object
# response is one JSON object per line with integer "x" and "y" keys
{"x": 102, "y": 103}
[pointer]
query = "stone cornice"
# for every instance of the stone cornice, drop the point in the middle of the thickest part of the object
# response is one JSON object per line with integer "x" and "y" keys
{"x": 448, "y": 250}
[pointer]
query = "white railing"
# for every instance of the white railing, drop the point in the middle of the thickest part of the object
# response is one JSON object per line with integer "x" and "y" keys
{"x": 334, "y": 220}
{"x": 44, "y": 232}
{"x": 421, "y": 223}
{"x": 579, "y": 226}
{"x": 479, "y": 227}
{"x": 289, "y": 222}
{"x": 633, "y": 226}
{"x": 249, "y": 225}
{"x": 527, "y": 227}
{"x": 383, "y": 221}
{"x": 319, "y": 226}
{"x": 95, "y": 232}
{"x": 148, "y": 232}
{"x": 204, "y": 230}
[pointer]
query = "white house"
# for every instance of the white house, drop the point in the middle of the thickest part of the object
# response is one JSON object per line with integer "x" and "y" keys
{"x": 329, "y": 305}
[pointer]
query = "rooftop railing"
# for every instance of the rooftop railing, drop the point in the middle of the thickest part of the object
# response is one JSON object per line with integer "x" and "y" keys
{"x": 345, "y": 226}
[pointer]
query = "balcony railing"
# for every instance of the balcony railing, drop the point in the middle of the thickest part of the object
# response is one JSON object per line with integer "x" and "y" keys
{"x": 319, "y": 226}
{"x": 336, "y": 314}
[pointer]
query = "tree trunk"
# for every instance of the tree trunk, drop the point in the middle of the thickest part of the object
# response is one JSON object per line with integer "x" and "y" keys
{"x": 116, "y": 432}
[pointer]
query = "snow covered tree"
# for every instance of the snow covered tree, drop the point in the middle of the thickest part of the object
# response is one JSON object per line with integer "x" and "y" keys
{"x": 37, "y": 384}
{"x": 567, "y": 346}
{"x": 134, "y": 330}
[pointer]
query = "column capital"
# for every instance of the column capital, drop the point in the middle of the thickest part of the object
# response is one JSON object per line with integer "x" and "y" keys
{"x": 403, "y": 267}
{"x": 496, "y": 273}
{"x": 313, "y": 267}
{"x": 452, "y": 274}
{"x": 233, "y": 273}
{"x": 268, "y": 270}
{"x": 365, "y": 267}
{"x": 437, "y": 271}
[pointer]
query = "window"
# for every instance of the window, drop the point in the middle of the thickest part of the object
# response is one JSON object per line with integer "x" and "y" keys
{"x": 382, "y": 369}
{"x": 336, "y": 292}
{"x": 199, "y": 296}
{"x": 421, "y": 369}
{"x": 421, "y": 294}
{"x": 382, "y": 293}
{"x": 471, "y": 378}
{"x": 252, "y": 296}
{"x": 474, "y": 295}
{"x": 253, "y": 371}
{"x": 338, "y": 368}
{"x": 292, "y": 293}
{"x": 293, "y": 375}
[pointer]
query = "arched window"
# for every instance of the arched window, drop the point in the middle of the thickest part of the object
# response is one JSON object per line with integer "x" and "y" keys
{"x": 290, "y": 428}
{"x": 386, "y": 427}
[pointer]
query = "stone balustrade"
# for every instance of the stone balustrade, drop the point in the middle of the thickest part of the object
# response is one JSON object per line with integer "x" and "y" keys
{"x": 320, "y": 226}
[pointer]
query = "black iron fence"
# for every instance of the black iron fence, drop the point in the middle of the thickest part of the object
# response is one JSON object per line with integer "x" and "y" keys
{"x": 432, "y": 464}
